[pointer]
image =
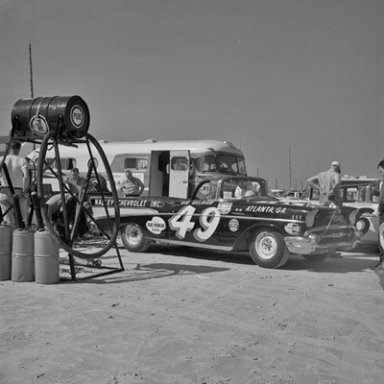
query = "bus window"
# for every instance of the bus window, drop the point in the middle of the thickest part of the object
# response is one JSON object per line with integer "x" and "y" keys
{"x": 130, "y": 163}
{"x": 179, "y": 164}
{"x": 135, "y": 163}
{"x": 122, "y": 161}
{"x": 142, "y": 164}
{"x": 206, "y": 163}
{"x": 231, "y": 164}
{"x": 241, "y": 164}
{"x": 227, "y": 164}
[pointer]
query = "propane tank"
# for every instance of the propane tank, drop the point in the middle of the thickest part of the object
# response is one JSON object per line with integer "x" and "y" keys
{"x": 5, "y": 251}
{"x": 22, "y": 255}
{"x": 47, "y": 267}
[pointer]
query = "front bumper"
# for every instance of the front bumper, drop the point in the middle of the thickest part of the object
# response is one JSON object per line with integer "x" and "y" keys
{"x": 315, "y": 244}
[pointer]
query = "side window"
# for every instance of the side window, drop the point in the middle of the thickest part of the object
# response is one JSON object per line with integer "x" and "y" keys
{"x": 142, "y": 163}
{"x": 122, "y": 161}
{"x": 130, "y": 163}
{"x": 135, "y": 163}
{"x": 179, "y": 164}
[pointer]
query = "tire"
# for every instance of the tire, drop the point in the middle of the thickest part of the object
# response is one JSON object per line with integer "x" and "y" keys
{"x": 268, "y": 250}
{"x": 133, "y": 238}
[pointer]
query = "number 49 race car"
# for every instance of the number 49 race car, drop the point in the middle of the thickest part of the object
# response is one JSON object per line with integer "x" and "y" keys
{"x": 235, "y": 214}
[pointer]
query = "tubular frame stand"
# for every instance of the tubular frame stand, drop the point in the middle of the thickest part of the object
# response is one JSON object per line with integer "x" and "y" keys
{"x": 94, "y": 264}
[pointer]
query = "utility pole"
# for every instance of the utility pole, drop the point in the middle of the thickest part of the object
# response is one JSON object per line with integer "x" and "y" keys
{"x": 290, "y": 170}
{"x": 31, "y": 80}
{"x": 31, "y": 70}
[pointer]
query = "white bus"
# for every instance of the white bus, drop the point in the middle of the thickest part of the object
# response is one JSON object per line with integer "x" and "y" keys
{"x": 167, "y": 168}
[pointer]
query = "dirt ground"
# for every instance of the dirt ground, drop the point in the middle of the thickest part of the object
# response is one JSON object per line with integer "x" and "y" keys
{"x": 178, "y": 315}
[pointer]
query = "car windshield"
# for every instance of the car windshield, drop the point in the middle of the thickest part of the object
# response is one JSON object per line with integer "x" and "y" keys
{"x": 233, "y": 188}
{"x": 242, "y": 188}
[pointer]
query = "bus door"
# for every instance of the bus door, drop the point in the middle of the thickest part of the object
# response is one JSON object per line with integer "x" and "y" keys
{"x": 159, "y": 173}
{"x": 179, "y": 173}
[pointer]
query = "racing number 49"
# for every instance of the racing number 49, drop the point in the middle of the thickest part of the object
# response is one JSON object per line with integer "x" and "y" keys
{"x": 182, "y": 222}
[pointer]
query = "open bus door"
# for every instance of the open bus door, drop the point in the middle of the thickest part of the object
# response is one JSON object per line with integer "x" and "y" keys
{"x": 179, "y": 173}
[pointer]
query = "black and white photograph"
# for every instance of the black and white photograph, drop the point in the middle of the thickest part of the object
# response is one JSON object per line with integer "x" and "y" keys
{"x": 191, "y": 191}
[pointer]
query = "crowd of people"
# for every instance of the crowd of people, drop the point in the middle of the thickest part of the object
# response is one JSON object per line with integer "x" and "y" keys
{"x": 18, "y": 181}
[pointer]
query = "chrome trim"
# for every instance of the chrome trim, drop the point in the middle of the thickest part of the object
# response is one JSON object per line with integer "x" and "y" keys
{"x": 195, "y": 245}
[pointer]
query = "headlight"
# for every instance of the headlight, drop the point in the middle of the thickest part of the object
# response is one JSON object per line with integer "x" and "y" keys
{"x": 362, "y": 225}
{"x": 293, "y": 228}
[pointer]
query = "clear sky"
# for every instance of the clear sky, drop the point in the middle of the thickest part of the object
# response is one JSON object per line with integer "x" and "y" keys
{"x": 268, "y": 75}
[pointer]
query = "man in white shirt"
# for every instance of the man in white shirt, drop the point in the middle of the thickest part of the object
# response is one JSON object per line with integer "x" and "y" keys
{"x": 18, "y": 173}
{"x": 328, "y": 183}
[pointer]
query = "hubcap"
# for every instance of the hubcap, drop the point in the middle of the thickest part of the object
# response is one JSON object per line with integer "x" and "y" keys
{"x": 134, "y": 235}
{"x": 266, "y": 246}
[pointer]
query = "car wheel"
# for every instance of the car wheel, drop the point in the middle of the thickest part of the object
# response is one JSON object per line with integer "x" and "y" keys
{"x": 133, "y": 238}
{"x": 268, "y": 250}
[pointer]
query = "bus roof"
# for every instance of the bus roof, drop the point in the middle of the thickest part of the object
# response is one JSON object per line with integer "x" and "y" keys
{"x": 195, "y": 146}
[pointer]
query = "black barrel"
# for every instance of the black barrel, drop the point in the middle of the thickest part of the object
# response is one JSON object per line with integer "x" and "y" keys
{"x": 35, "y": 117}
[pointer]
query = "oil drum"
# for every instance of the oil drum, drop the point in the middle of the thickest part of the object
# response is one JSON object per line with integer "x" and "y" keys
{"x": 5, "y": 251}
{"x": 22, "y": 255}
{"x": 35, "y": 117}
{"x": 47, "y": 267}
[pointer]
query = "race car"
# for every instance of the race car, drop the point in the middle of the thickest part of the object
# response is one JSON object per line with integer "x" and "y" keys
{"x": 235, "y": 213}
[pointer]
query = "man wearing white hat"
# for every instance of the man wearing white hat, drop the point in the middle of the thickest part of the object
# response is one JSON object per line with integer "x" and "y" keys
{"x": 328, "y": 183}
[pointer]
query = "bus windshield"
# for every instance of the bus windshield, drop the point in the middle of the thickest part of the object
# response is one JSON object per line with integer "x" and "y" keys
{"x": 221, "y": 163}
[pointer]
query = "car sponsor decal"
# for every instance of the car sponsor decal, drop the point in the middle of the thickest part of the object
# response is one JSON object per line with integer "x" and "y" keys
{"x": 39, "y": 124}
{"x": 182, "y": 222}
{"x": 233, "y": 225}
{"x": 224, "y": 208}
{"x": 129, "y": 202}
{"x": 266, "y": 209}
{"x": 156, "y": 225}
{"x": 77, "y": 116}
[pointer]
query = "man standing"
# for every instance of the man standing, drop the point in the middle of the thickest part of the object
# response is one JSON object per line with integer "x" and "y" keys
{"x": 75, "y": 181}
{"x": 19, "y": 175}
{"x": 328, "y": 183}
{"x": 132, "y": 186}
{"x": 380, "y": 210}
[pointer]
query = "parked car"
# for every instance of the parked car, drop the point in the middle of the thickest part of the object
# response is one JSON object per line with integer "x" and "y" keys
{"x": 357, "y": 193}
{"x": 235, "y": 214}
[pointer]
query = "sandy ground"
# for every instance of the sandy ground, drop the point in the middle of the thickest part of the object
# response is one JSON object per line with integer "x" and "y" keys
{"x": 187, "y": 316}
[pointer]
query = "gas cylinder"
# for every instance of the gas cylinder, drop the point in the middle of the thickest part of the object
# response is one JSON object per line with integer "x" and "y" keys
{"x": 5, "y": 251}
{"x": 22, "y": 255}
{"x": 47, "y": 267}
